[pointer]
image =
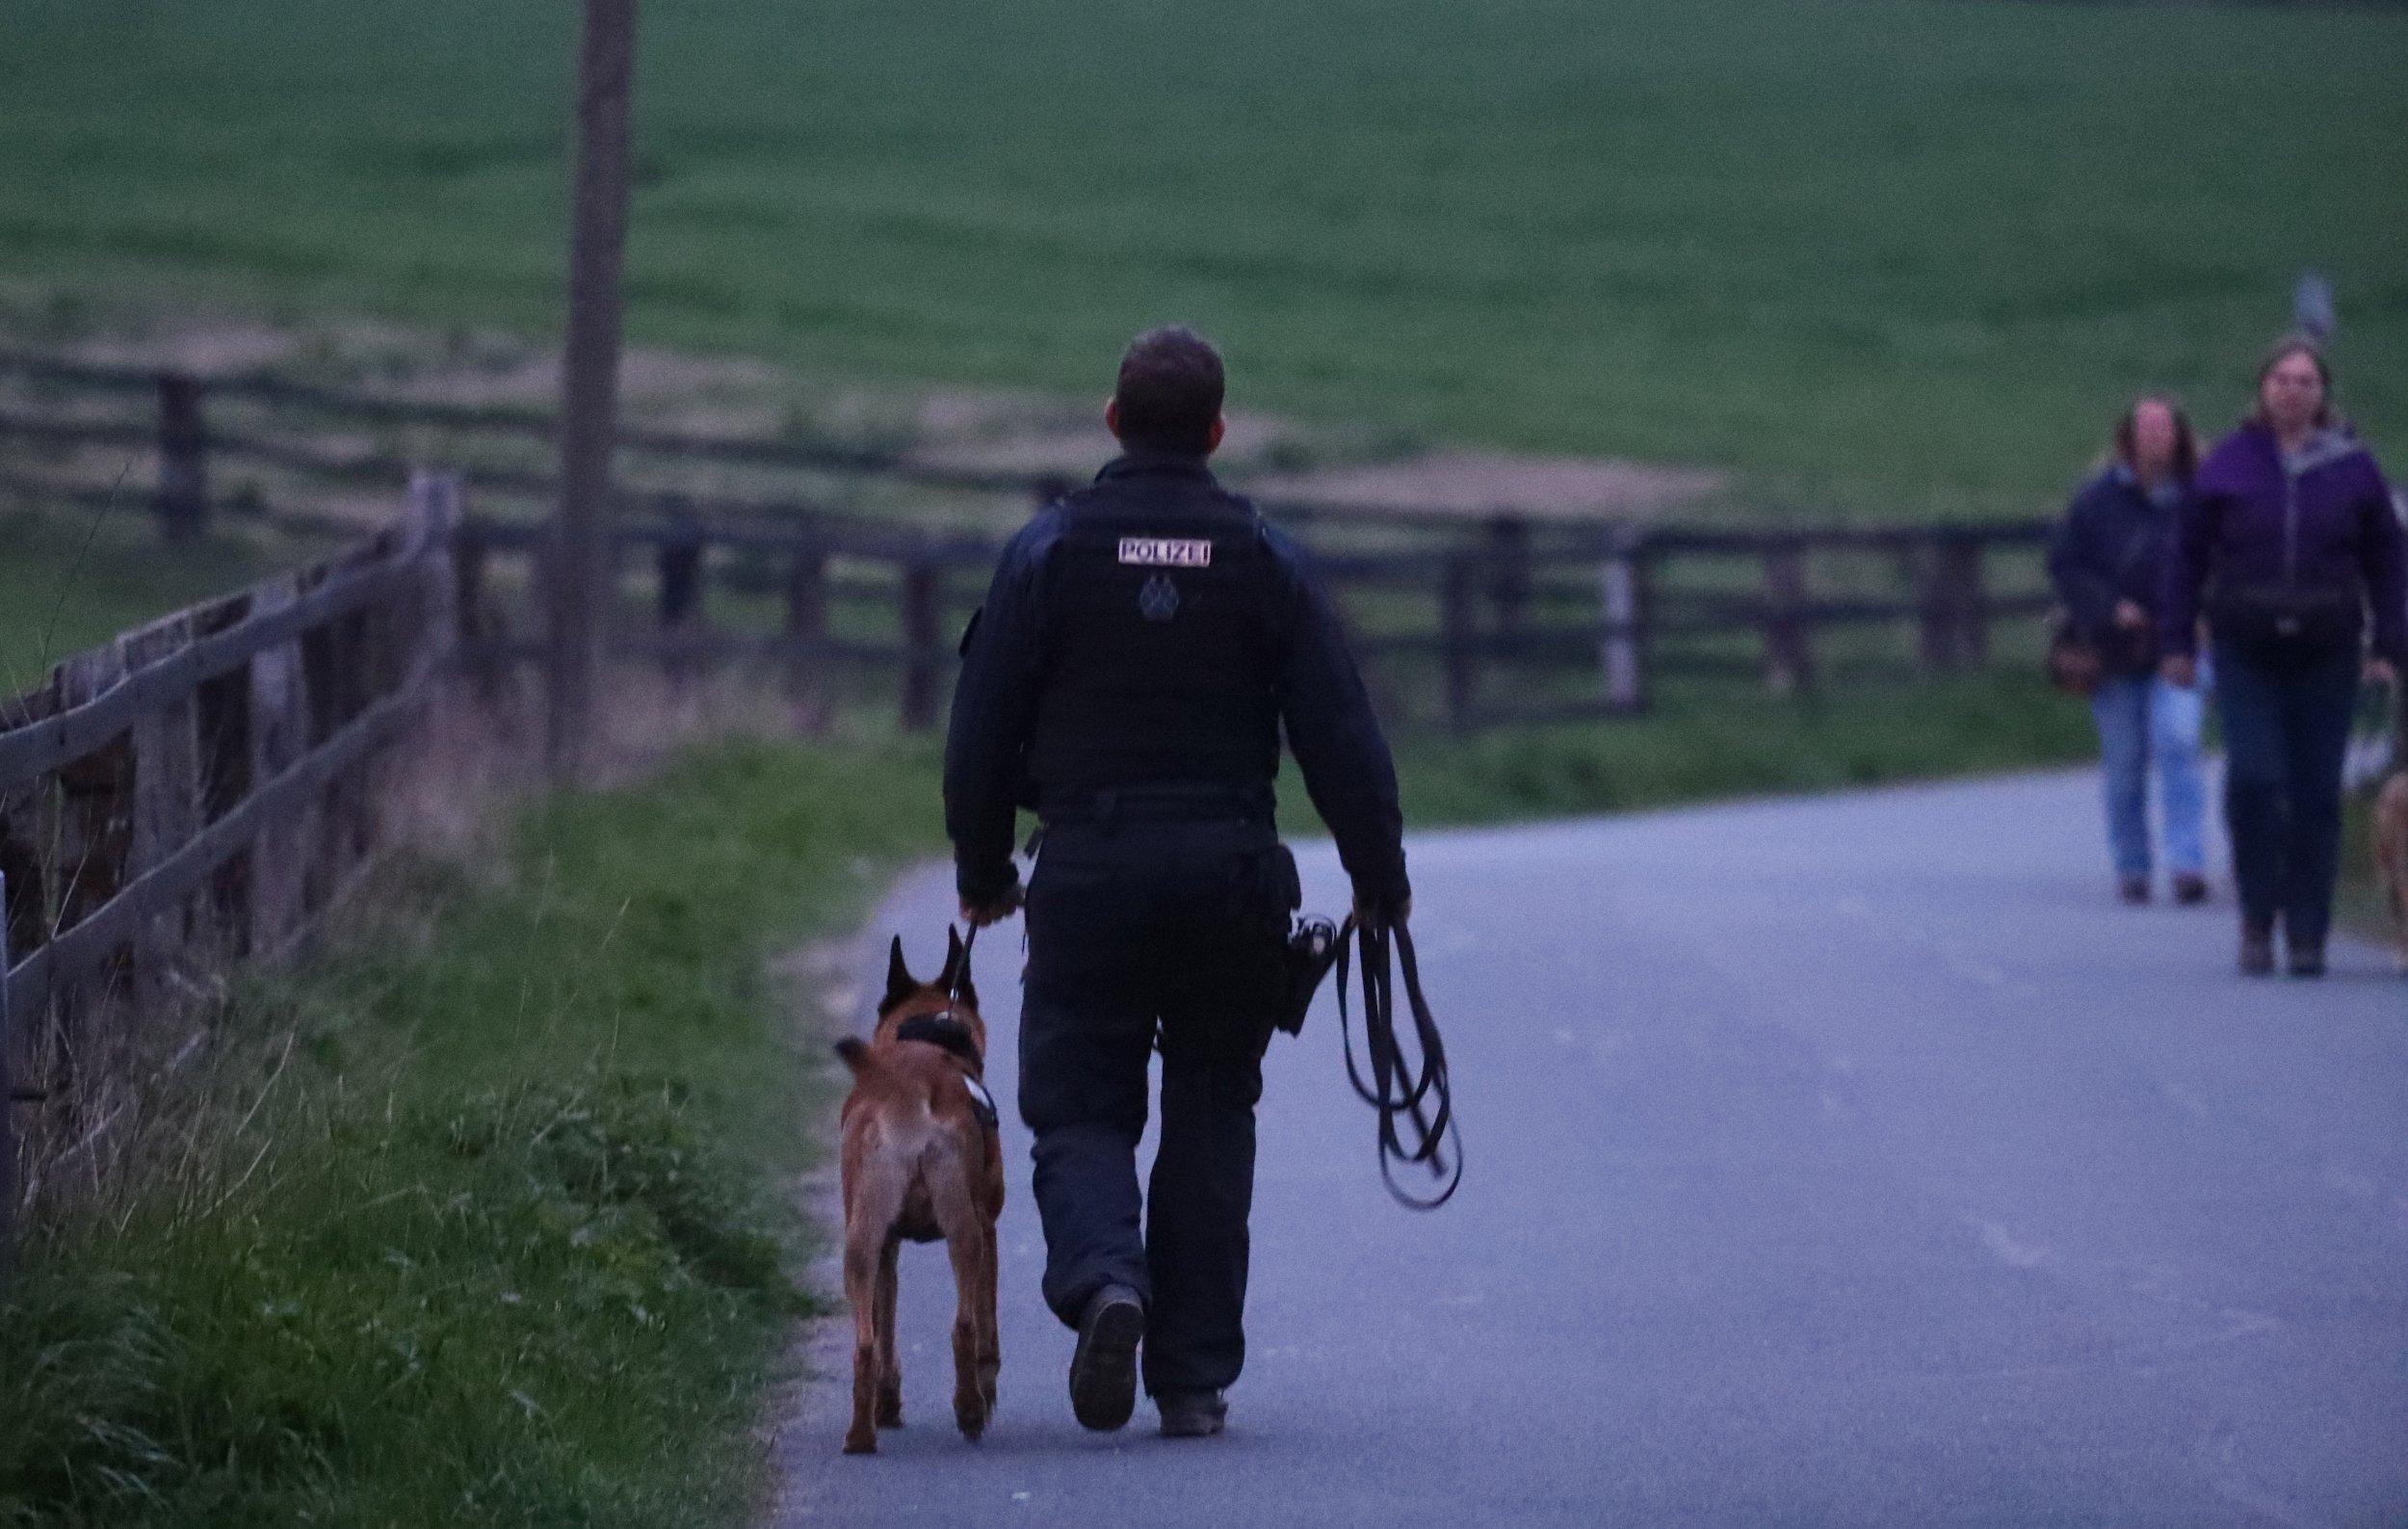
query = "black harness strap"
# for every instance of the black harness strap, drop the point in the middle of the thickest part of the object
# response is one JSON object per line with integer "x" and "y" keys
{"x": 1422, "y": 1094}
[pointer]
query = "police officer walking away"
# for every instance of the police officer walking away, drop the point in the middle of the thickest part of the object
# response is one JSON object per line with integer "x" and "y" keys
{"x": 1144, "y": 641}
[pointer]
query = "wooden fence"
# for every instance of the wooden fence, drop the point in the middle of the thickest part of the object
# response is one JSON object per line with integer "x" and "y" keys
{"x": 733, "y": 552}
{"x": 1455, "y": 639}
{"x": 203, "y": 785}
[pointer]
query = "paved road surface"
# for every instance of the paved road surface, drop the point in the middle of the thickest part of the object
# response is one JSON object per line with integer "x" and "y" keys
{"x": 1839, "y": 1162}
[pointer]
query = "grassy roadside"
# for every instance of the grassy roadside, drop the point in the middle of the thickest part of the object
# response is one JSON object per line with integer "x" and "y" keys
{"x": 478, "y": 1221}
{"x": 1704, "y": 742}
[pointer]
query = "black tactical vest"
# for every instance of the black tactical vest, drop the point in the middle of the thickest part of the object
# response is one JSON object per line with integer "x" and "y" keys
{"x": 1161, "y": 640}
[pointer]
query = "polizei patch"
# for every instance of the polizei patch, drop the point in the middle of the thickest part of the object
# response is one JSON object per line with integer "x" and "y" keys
{"x": 1165, "y": 552}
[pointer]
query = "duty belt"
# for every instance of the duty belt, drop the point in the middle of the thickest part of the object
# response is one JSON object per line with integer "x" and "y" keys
{"x": 1158, "y": 803}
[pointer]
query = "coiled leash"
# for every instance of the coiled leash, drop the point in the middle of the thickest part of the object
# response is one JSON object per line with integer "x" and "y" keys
{"x": 1419, "y": 1096}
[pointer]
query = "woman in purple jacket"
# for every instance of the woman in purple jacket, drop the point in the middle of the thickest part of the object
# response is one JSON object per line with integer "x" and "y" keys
{"x": 2292, "y": 536}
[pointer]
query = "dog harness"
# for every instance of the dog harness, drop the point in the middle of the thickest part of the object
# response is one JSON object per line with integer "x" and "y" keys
{"x": 945, "y": 1031}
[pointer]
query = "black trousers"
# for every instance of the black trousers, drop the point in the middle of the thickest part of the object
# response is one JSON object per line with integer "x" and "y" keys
{"x": 1141, "y": 934}
{"x": 2285, "y": 738}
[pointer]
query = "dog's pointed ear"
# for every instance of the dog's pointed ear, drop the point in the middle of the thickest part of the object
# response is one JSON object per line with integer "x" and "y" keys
{"x": 898, "y": 983}
{"x": 956, "y": 977}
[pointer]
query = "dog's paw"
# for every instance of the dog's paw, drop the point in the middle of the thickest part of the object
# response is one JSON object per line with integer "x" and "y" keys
{"x": 970, "y": 1414}
{"x": 860, "y": 1441}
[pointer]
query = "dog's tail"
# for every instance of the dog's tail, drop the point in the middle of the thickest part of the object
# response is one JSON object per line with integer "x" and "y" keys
{"x": 855, "y": 1053}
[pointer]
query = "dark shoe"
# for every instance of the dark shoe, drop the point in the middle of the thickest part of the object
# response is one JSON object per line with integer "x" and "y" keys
{"x": 2257, "y": 949}
{"x": 2307, "y": 961}
{"x": 1191, "y": 1415}
{"x": 2189, "y": 888}
{"x": 1103, "y": 1367}
{"x": 2134, "y": 890}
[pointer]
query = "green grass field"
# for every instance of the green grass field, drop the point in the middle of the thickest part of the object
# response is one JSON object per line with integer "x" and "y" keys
{"x": 1896, "y": 254}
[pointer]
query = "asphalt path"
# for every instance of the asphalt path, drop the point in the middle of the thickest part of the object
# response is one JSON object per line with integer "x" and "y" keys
{"x": 1850, "y": 1161}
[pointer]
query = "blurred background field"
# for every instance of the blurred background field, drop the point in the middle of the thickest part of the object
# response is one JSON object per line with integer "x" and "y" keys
{"x": 1875, "y": 257}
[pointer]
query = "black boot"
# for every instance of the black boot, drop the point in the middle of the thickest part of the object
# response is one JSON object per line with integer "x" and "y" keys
{"x": 1103, "y": 1366}
{"x": 1191, "y": 1415}
{"x": 2257, "y": 947}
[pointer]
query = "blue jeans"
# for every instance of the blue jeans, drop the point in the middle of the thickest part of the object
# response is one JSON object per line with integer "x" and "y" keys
{"x": 2286, "y": 734}
{"x": 2141, "y": 717}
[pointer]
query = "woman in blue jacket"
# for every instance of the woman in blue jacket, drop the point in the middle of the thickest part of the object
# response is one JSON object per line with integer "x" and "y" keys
{"x": 2107, "y": 561}
{"x": 2291, "y": 541}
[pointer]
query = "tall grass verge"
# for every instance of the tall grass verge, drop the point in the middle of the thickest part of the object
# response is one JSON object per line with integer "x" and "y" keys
{"x": 481, "y": 1219}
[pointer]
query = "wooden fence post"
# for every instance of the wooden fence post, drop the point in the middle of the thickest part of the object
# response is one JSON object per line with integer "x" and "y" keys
{"x": 1458, "y": 624}
{"x": 806, "y": 627}
{"x": 27, "y": 809}
{"x": 96, "y": 839}
{"x": 222, "y": 718}
{"x": 183, "y": 501}
{"x": 1509, "y": 545}
{"x": 1954, "y": 625}
{"x": 279, "y": 733}
{"x": 1788, "y": 645}
{"x": 923, "y": 614}
{"x": 1622, "y": 602}
{"x": 438, "y": 508}
{"x": 680, "y": 564}
{"x": 167, "y": 799}
{"x": 1972, "y": 613}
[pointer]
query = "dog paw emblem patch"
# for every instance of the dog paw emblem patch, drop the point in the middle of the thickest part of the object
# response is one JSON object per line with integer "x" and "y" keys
{"x": 1157, "y": 601}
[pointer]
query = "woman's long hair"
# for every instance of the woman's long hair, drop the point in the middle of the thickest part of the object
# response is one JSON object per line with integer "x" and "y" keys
{"x": 2185, "y": 442}
{"x": 2283, "y": 349}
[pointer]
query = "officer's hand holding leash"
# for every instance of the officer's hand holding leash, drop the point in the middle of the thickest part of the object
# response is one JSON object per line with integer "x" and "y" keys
{"x": 994, "y": 911}
{"x": 1423, "y": 1094}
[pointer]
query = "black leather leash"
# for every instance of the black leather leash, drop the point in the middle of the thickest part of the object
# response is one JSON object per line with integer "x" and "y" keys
{"x": 1420, "y": 1095}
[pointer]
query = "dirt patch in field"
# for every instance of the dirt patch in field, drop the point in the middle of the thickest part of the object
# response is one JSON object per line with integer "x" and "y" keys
{"x": 986, "y": 430}
{"x": 1499, "y": 483}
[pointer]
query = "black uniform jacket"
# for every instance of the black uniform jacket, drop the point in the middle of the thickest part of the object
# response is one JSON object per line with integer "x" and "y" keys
{"x": 1321, "y": 703}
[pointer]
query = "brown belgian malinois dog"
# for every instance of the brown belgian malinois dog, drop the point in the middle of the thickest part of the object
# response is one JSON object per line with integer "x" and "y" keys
{"x": 922, "y": 1160}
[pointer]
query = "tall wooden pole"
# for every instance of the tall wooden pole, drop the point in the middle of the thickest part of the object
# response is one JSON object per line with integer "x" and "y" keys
{"x": 581, "y": 551}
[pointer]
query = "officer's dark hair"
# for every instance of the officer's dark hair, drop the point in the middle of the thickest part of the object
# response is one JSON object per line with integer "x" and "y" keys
{"x": 1170, "y": 392}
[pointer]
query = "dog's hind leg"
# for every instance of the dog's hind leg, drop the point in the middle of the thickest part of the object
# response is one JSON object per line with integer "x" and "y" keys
{"x": 965, "y": 1235}
{"x": 871, "y": 1206}
{"x": 990, "y": 1338}
{"x": 889, "y": 1367}
{"x": 991, "y": 1351}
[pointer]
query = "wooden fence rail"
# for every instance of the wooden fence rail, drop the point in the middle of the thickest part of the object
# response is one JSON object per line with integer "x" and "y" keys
{"x": 1578, "y": 626}
{"x": 1477, "y": 619}
{"x": 204, "y": 786}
